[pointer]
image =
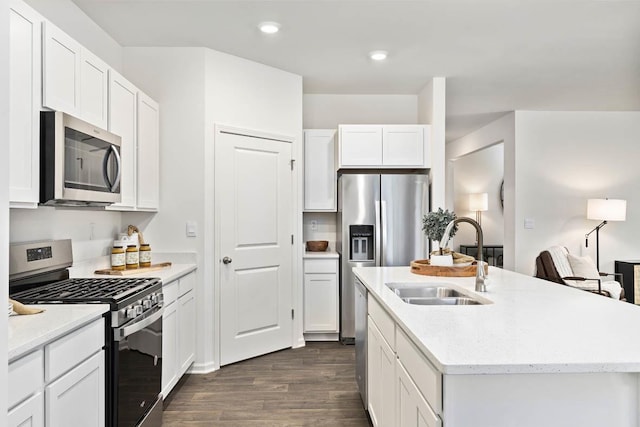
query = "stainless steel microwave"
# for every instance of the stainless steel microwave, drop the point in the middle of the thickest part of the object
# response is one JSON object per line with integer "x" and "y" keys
{"x": 79, "y": 163}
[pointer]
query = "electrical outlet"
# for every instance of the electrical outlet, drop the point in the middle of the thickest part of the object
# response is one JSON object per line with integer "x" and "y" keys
{"x": 529, "y": 223}
{"x": 314, "y": 225}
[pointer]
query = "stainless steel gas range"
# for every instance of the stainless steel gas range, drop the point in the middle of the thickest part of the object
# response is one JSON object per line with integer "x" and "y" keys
{"x": 133, "y": 351}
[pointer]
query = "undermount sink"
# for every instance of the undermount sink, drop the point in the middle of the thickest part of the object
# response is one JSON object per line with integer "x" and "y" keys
{"x": 430, "y": 292}
{"x": 433, "y": 294}
{"x": 442, "y": 301}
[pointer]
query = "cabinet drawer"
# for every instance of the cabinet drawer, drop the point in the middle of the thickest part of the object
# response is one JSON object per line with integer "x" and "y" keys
{"x": 25, "y": 377}
{"x": 385, "y": 323}
{"x": 72, "y": 349}
{"x": 321, "y": 266}
{"x": 424, "y": 375}
{"x": 170, "y": 292}
{"x": 186, "y": 283}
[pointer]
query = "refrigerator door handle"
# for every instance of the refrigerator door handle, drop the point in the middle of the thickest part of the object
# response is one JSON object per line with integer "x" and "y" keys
{"x": 378, "y": 243}
{"x": 383, "y": 226}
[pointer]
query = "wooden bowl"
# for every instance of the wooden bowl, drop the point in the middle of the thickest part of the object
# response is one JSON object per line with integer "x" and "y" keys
{"x": 317, "y": 245}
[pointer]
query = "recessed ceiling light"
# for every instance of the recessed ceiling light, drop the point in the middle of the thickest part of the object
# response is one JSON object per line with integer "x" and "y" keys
{"x": 269, "y": 27}
{"x": 378, "y": 55}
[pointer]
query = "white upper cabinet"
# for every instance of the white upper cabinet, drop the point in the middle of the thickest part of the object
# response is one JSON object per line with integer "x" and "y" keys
{"x": 148, "y": 153}
{"x": 61, "y": 71}
{"x": 94, "y": 81}
{"x": 403, "y": 146}
{"x": 74, "y": 79}
{"x": 319, "y": 170}
{"x": 122, "y": 121}
{"x": 384, "y": 146}
{"x": 360, "y": 145}
{"x": 24, "y": 104}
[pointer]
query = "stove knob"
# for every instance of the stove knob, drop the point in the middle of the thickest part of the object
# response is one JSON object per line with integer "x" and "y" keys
{"x": 138, "y": 309}
{"x": 146, "y": 304}
{"x": 160, "y": 299}
{"x": 154, "y": 298}
{"x": 131, "y": 313}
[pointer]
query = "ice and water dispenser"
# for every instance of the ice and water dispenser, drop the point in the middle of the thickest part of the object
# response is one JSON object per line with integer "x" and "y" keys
{"x": 362, "y": 245}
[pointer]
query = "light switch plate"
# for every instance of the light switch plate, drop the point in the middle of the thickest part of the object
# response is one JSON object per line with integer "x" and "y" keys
{"x": 192, "y": 229}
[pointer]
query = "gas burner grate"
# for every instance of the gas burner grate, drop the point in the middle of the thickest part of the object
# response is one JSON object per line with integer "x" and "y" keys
{"x": 86, "y": 290}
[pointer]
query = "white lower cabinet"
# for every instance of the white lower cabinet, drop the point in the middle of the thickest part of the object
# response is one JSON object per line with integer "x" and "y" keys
{"x": 321, "y": 303}
{"x": 77, "y": 399}
{"x": 178, "y": 331}
{"x": 404, "y": 388}
{"x": 381, "y": 381}
{"x": 186, "y": 331}
{"x": 413, "y": 410}
{"x": 29, "y": 413}
{"x": 61, "y": 383}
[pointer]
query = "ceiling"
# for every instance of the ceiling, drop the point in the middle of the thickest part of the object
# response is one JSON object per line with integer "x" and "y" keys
{"x": 497, "y": 56}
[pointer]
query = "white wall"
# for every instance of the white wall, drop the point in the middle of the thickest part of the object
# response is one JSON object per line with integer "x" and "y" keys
{"x": 175, "y": 78}
{"x": 563, "y": 159}
{"x": 480, "y": 172}
{"x": 4, "y": 200}
{"x": 432, "y": 110}
{"x": 499, "y": 131}
{"x": 66, "y": 15}
{"x": 325, "y": 111}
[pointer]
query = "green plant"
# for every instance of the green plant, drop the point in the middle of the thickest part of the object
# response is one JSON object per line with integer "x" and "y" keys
{"x": 434, "y": 224}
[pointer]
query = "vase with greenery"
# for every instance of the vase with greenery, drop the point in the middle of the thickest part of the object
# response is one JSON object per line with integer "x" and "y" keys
{"x": 434, "y": 224}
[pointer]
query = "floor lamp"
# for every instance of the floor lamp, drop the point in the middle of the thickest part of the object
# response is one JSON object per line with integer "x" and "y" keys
{"x": 604, "y": 210}
{"x": 479, "y": 202}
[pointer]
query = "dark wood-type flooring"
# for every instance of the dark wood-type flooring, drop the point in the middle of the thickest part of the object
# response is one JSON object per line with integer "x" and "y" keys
{"x": 310, "y": 386}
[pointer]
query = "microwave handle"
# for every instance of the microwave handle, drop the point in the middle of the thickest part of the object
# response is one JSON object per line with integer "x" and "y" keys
{"x": 113, "y": 150}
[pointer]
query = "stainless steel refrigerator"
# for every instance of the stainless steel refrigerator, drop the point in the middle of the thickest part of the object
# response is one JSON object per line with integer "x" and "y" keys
{"x": 379, "y": 223}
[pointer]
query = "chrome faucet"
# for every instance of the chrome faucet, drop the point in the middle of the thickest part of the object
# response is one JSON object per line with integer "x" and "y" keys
{"x": 481, "y": 277}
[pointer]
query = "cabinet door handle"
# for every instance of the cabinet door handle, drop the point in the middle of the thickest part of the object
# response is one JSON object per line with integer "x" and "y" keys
{"x": 226, "y": 260}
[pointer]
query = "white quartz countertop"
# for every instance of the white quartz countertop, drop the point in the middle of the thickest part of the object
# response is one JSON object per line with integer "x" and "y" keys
{"x": 532, "y": 326}
{"x": 167, "y": 275}
{"x": 325, "y": 254}
{"x": 28, "y": 332}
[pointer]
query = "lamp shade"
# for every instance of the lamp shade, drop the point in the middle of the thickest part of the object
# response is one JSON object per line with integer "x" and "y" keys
{"x": 479, "y": 202}
{"x": 607, "y": 209}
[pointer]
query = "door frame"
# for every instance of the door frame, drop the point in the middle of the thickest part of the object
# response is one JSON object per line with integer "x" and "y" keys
{"x": 213, "y": 243}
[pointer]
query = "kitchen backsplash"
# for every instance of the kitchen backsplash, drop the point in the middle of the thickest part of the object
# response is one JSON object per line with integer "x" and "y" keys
{"x": 92, "y": 231}
{"x": 319, "y": 226}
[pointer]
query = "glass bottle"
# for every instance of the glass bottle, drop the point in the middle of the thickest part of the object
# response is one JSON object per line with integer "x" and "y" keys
{"x": 132, "y": 257}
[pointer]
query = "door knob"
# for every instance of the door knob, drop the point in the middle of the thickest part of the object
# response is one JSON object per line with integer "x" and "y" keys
{"x": 226, "y": 260}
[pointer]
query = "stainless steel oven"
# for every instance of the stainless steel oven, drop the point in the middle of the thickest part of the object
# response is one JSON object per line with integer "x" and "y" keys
{"x": 79, "y": 163}
{"x": 138, "y": 367}
{"x": 133, "y": 335}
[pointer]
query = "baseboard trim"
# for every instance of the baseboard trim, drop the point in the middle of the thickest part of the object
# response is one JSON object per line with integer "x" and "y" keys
{"x": 322, "y": 337}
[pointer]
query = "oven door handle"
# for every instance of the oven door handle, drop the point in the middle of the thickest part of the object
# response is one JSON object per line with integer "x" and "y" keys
{"x": 121, "y": 333}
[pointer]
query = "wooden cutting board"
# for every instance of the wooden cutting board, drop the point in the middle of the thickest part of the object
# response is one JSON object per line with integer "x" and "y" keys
{"x": 153, "y": 267}
{"x": 422, "y": 266}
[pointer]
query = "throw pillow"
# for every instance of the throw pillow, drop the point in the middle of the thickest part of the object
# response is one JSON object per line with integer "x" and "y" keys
{"x": 584, "y": 267}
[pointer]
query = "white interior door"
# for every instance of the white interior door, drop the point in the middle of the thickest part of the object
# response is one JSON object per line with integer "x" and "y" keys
{"x": 253, "y": 203}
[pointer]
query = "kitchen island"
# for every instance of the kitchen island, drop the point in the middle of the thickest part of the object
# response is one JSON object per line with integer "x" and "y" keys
{"x": 535, "y": 354}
